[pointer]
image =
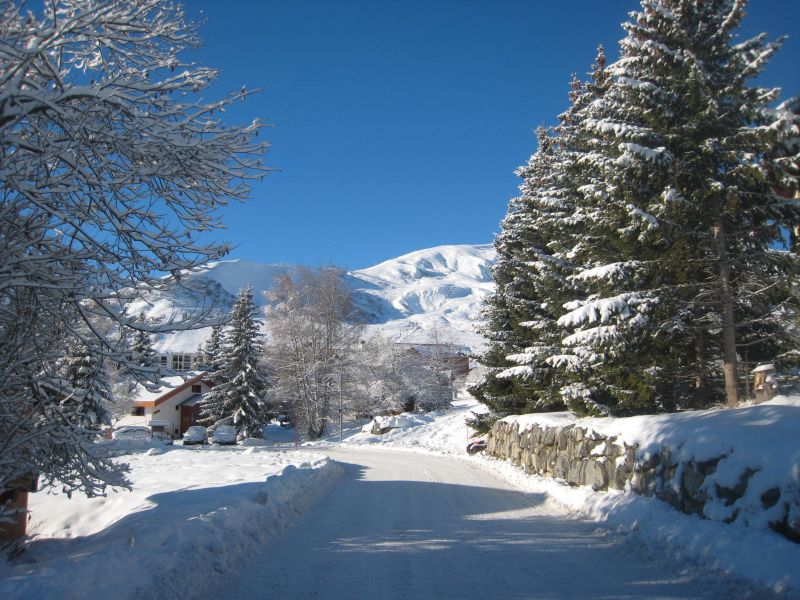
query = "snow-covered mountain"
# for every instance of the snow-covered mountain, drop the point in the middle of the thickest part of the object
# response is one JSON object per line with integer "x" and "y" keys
{"x": 404, "y": 298}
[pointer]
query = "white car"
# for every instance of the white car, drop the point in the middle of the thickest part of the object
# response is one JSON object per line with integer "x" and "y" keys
{"x": 132, "y": 432}
{"x": 224, "y": 435}
{"x": 195, "y": 435}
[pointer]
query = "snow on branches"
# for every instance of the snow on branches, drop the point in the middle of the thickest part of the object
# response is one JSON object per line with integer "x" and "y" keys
{"x": 111, "y": 166}
{"x": 659, "y": 264}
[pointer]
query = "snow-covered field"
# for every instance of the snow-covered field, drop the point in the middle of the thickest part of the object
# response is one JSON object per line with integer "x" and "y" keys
{"x": 764, "y": 437}
{"x": 441, "y": 432}
{"x": 217, "y": 507}
{"x": 192, "y": 514}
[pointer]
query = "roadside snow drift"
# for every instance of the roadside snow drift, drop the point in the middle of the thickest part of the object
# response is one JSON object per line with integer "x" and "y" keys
{"x": 192, "y": 514}
{"x": 443, "y": 433}
{"x": 765, "y": 435}
{"x": 755, "y": 446}
{"x": 755, "y": 449}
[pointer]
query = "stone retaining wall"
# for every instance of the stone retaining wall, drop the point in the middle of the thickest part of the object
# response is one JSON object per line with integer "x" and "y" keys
{"x": 583, "y": 457}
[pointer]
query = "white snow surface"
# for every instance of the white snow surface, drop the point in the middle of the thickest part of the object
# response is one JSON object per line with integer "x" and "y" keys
{"x": 399, "y": 527}
{"x": 402, "y": 298}
{"x": 403, "y": 420}
{"x": 762, "y": 436}
{"x": 192, "y": 511}
{"x": 443, "y": 433}
{"x": 201, "y": 512}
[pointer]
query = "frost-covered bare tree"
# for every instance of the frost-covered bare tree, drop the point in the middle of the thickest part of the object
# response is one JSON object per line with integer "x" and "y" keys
{"x": 390, "y": 378}
{"x": 434, "y": 371}
{"x": 111, "y": 166}
{"x": 383, "y": 381}
{"x": 312, "y": 336}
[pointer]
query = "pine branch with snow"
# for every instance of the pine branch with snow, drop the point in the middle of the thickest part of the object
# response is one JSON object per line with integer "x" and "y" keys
{"x": 89, "y": 396}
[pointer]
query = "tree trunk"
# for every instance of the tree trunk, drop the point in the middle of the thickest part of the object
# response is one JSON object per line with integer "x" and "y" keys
{"x": 701, "y": 384}
{"x": 729, "y": 360}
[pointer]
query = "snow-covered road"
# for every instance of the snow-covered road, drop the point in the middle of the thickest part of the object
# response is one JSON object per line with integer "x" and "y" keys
{"x": 402, "y": 525}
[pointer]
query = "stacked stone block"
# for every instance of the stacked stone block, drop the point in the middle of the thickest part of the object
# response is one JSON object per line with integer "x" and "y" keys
{"x": 580, "y": 456}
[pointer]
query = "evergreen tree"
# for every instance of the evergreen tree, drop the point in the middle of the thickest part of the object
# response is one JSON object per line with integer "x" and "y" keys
{"x": 209, "y": 352}
{"x": 683, "y": 214}
{"x": 85, "y": 406}
{"x": 641, "y": 253}
{"x": 540, "y": 235}
{"x": 524, "y": 264}
{"x": 239, "y": 385}
{"x": 144, "y": 354}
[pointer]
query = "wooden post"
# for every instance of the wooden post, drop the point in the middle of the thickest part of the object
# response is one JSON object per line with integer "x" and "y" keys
{"x": 14, "y": 506}
{"x": 763, "y": 384}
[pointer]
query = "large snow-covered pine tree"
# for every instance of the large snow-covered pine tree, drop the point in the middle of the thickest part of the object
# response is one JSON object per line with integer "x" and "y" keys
{"x": 523, "y": 276}
{"x": 144, "y": 354}
{"x": 685, "y": 216}
{"x": 210, "y": 351}
{"x": 238, "y": 395}
{"x": 527, "y": 364}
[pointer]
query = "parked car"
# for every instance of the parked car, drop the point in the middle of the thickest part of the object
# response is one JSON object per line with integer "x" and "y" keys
{"x": 195, "y": 435}
{"x": 285, "y": 421}
{"x": 132, "y": 432}
{"x": 224, "y": 435}
{"x": 476, "y": 445}
{"x": 163, "y": 437}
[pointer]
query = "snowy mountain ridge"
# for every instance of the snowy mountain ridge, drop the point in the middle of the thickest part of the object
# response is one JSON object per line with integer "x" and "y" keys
{"x": 406, "y": 299}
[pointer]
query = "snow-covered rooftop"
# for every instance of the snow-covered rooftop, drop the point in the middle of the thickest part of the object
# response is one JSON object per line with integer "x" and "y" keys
{"x": 172, "y": 382}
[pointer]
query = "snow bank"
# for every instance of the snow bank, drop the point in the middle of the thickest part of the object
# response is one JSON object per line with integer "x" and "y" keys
{"x": 763, "y": 439}
{"x": 756, "y": 556}
{"x": 401, "y": 421}
{"x": 192, "y": 514}
{"x": 757, "y": 447}
{"x": 122, "y": 447}
{"x": 443, "y": 433}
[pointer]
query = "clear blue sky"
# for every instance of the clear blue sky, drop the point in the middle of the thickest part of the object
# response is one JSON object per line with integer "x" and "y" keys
{"x": 397, "y": 125}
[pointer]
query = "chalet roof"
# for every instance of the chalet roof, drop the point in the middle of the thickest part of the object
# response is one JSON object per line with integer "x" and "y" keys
{"x": 172, "y": 386}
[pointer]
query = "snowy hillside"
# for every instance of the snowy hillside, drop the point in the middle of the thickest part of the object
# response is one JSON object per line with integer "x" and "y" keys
{"x": 441, "y": 287}
{"x": 404, "y": 298}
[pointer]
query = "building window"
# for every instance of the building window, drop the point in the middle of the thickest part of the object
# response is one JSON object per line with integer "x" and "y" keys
{"x": 182, "y": 362}
{"x": 197, "y": 388}
{"x": 138, "y": 411}
{"x": 163, "y": 360}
